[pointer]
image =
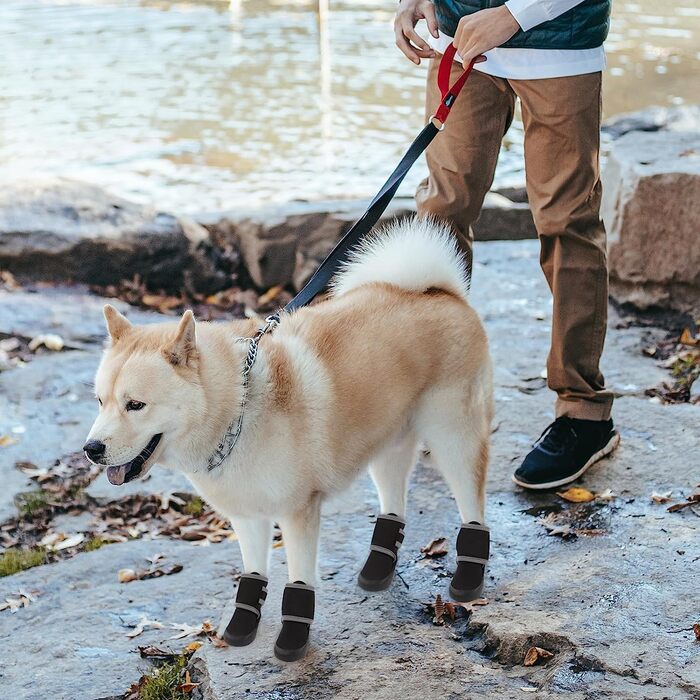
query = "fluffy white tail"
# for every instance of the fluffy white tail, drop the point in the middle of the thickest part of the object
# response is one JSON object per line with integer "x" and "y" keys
{"x": 414, "y": 254}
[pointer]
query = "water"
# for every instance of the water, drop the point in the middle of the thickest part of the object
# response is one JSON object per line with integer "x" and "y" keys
{"x": 215, "y": 105}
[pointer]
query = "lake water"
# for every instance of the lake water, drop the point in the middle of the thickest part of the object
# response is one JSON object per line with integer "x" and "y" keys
{"x": 215, "y": 105}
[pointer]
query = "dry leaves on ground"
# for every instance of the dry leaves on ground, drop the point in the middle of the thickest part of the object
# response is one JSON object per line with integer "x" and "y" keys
{"x": 696, "y": 631}
{"x": 436, "y": 548}
{"x": 153, "y": 571}
{"x": 690, "y": 502}
{"x": 61, "y": 490}
{"x": 536, "y": 654}
{"x": 576, "y": 494}
{"x": 680, "y": 355}
{"x": 442, "y": 609}
{"x": 568, "y": 526}
{"x": 22, "y": 599}
{"x": 661, "y": 497}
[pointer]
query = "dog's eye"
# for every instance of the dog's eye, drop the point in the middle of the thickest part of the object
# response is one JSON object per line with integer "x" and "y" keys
{"x": 134, "y": 405}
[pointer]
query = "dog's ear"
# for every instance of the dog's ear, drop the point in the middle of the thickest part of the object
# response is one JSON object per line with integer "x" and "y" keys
{"x": 118, "y": 325}
{"x": 181, "y": 351}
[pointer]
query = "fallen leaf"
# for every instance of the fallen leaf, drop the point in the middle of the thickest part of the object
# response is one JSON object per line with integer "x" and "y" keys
{"x": 192, "y": 647}
{"x": 436, "y": 548}
{"x": 153, "y": 652}
{"x": 576, "y": 494}
{"x": 689, "y": 501}
{"x": 7, "y": 440}
{"x": 13, "y": 604}
{"x": 687, "y": 338}
{"x": 270, "y": 295}
{"x": 696, "y": 630}
{"x": 188, "y": 686}
{"x": 68, "y": 542}
{"x": 50, "y": 341}
{"x": 607, "y": 495}
{"x": 661, "y": 497}
{"x": 143, "y": 624}
{"x": 126, "y": 575}
{"x": 536, "y": 654}
{"x": 191, "y": 631}
{"x": 218, "y": 642}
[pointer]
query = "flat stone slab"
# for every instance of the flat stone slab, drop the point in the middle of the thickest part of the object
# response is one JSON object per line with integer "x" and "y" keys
{"x": 616, "y": 608}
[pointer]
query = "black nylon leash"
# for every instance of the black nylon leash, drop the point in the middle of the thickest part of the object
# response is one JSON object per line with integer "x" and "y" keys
{"x": 319, "y": 280}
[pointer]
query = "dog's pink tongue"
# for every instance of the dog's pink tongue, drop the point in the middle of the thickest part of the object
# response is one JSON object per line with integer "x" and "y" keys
{"x": 116, "y": 474}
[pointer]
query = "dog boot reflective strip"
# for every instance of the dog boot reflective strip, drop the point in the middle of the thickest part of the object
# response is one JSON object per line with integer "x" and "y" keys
{"x": 472, "y": 557}
{"x": 252, "y": 591}
{"x": 298, "y": 605}
{"x": 378, "y": 571}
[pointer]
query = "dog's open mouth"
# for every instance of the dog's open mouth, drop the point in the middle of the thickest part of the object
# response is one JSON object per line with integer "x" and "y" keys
{"x": 122, "y": 473}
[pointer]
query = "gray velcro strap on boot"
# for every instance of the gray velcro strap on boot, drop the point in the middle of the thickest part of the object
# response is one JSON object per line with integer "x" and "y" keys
{"x": 383, "y": 550}
{"x": 296, "y": 618}
{"x": 474, "y": 526}
{"x": 302, "y": 586}
{"x": 251, "y": 608}
{"x": 475, "y": 560}
{"x": 390, "y": 516}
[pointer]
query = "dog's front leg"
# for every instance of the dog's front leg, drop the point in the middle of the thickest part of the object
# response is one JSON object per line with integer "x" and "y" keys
{"x": 300, "y": 534}
{"x": 254, "y": 536}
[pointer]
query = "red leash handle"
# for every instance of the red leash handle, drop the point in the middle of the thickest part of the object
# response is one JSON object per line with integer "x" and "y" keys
{"x": 449, "y": 92}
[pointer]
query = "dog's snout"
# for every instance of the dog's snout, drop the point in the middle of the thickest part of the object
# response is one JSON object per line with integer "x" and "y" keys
{"x": 94, "y": 449}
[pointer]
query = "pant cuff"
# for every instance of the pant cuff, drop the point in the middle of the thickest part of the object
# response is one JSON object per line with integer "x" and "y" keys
{"x": 583, "y": 410}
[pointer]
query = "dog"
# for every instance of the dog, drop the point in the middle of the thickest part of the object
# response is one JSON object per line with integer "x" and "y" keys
{"x": 392, "y": 361}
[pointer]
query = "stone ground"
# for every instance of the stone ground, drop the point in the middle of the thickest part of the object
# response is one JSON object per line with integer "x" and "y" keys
{"x": 616, "y": 608}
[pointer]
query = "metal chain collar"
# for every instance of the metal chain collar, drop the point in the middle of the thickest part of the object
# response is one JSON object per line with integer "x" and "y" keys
{"x": 233, "y": 432}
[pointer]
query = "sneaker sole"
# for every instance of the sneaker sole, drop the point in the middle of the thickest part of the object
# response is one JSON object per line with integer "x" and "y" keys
{"x": 604, "y": 452}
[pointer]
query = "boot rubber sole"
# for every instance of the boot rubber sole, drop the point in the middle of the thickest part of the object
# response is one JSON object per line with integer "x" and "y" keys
{"x": 240, "y": 640}
{"x": 466, "y": 596}
{"x": 291, "y": 654}
{"x": 375, "y": 585}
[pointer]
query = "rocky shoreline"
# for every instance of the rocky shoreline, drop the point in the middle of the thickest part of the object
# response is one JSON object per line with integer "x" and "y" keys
{"x": 103, "y": 584}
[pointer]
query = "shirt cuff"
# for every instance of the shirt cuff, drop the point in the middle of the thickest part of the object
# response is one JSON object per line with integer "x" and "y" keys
{"x": 528, "y": 13}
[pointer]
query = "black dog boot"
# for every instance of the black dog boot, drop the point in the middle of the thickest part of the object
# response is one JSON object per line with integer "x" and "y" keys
{"x": 378, "y": 571}
{"x": 472, "y": 557}
{"x": 252, "y": 591}
{"x": 298, "y": 602}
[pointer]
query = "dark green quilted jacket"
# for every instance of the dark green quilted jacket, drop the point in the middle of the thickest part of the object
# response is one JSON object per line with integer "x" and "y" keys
{"x": 582, "y": 27}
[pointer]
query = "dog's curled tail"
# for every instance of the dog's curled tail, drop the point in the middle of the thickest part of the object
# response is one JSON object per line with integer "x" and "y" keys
{"x": 416, "y": 254}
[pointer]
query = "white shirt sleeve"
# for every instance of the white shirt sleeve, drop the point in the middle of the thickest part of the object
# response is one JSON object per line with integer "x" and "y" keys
{"x": 530, "y": 13}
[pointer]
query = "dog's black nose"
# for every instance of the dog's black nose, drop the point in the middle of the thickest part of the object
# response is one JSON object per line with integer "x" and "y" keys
{"x": 94, "y": 449}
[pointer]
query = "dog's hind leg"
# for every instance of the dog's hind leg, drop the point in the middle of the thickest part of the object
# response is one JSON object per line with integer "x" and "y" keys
{"x": 458, "y": 435}
{"x": 254, "y": 536}
{"x": 300, "y": 533}
{"x": 390, "y": 471}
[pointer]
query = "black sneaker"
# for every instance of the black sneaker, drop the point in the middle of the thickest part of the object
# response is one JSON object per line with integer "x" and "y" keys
{"x": 564, "y": 452}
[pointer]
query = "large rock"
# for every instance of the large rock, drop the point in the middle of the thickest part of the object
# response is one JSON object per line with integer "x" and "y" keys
{"x": 651, "y": 208}
{"x": 285, "y": 244}
{"x": 680, "y": 118}
{"x": 60, "y": 229}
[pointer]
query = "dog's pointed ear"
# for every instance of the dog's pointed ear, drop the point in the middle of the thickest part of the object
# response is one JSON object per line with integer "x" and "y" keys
{"x": 118, "y": 325}
{"x": 182, "y": 349}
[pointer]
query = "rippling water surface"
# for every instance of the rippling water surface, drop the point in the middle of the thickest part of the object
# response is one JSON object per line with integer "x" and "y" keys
{"x": 216, "y": 105}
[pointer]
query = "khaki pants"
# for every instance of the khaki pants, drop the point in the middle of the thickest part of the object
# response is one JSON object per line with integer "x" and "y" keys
{"x": 561, "y": 117}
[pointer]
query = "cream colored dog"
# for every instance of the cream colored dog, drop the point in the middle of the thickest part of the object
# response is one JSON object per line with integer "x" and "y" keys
{"x": 393, "y": 360}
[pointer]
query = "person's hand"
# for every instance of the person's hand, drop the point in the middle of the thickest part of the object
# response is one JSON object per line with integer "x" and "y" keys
{"x": 483, "y": 30}
{"x": 410, "y": 12}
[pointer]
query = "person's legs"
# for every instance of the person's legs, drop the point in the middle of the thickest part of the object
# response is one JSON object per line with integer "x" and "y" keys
{"x": 462, "y": 159}
{"x": 561, "y": 117}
